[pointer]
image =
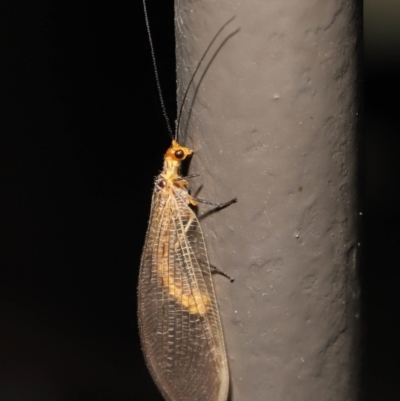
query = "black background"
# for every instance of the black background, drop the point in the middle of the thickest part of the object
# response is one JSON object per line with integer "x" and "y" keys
{"x": 79, "y": 111}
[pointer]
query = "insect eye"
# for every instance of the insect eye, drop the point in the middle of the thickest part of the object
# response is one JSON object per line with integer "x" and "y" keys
{"x": 162, "y": 183}
{"x": 179, "y": 154}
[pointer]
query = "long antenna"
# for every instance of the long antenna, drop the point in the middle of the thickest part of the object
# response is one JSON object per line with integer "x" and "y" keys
{"x": 160, "y": 95}
{"x": 194, "y": 74}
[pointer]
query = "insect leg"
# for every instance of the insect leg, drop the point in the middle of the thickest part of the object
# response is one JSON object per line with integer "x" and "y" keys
{"x": 222, "y": 273}
{"x": 217, "y": 205}
{"x": 217, "y": 270}
{"x": 186, "y": 177}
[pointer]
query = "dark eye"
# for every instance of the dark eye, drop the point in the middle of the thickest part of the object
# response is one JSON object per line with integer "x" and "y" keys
{"x": 161, "y": 183}
{"x": 179, "y": 154}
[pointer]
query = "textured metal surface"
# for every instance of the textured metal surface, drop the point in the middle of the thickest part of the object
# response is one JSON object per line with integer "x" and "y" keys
{"x": 274, "y": 122}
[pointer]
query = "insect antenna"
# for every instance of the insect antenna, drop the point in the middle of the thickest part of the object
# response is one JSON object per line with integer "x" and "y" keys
{"x": 178, "y": 123}
{"x": 160, "y": 95}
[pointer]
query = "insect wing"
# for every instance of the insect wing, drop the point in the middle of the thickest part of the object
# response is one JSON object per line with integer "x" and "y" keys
{"x": 179, "y": 321}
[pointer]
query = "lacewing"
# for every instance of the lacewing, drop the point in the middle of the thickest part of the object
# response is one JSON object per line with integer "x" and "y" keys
{"x": 179, "y": 321}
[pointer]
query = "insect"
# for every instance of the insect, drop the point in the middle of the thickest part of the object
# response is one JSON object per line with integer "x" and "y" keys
{"x": 179, "y": 323}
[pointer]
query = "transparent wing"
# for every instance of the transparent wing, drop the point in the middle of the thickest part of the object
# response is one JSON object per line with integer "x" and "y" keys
{"x": 178, "y": 315}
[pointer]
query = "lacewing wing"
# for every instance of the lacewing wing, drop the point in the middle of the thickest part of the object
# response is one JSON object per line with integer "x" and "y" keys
{"x": 180, "y": 327}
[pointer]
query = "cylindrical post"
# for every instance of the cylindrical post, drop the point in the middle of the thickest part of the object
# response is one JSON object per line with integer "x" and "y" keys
{"x": 274, "y": 122}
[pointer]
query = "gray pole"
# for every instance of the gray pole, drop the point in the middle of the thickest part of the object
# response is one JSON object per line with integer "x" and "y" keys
{"x": 274, "y": 122}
